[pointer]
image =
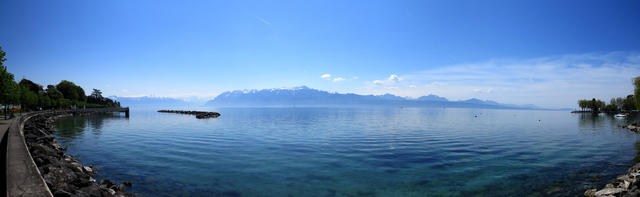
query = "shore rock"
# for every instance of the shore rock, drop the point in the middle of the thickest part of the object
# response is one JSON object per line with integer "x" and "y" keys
{"x": 64, "y": 175}
{"x": 625, "y": 185}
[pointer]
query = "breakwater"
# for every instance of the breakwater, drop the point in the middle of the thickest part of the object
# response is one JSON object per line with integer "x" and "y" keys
{"x": 625, "y": 185}
{"x": 199, "y": 114}
{"x": 62, "y": 173}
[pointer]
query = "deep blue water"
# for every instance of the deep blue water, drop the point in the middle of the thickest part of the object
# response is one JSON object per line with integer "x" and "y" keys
{"x": 353, "y": 151}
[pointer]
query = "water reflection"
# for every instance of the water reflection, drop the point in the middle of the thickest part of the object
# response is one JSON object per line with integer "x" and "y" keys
{"x": 74, "y": 126}
{"x": 355, "y": 151}
{"x": 589, "y": 120}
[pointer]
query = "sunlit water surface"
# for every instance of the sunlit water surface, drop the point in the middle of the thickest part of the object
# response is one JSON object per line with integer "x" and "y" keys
{"x": 353, "y": 151}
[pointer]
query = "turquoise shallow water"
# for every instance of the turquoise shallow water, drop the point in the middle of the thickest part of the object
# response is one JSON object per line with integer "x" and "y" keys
{"x": 353, "y": 151}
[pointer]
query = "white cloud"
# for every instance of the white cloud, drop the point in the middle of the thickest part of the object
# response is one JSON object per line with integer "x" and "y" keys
{"x": 334, "y": 79}
{"x": 556, "y": 81}
{"x": 266, "y": 22}
{"x": 394, "y": 78}
{"x": 355, "y": 78}
{"x": 480, "y": 90}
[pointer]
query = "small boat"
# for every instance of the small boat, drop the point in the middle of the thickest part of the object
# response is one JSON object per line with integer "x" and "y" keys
{"x": 620, "y": 115}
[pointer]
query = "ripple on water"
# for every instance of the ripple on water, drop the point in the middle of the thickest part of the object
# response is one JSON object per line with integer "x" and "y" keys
{"x": 352, "y": 151}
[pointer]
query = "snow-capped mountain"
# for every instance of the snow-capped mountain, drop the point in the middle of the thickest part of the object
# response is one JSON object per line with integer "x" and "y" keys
{"x": 305, "y": 96}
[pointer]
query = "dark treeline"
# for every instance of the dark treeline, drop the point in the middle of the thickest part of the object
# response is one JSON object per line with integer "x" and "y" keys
{"x": 32, "y": 96}
{"x": 629, "y": 103}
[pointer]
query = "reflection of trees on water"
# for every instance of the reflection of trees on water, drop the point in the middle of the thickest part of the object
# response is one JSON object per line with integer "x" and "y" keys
{"x": 590, "y": 120}
{"x": 636, "y": 159}
{"x": 632, "y": 118}
{"x": 73, "y": 126}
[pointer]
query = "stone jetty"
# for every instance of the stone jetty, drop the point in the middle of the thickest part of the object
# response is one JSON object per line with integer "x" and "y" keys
{"x": 199, "y": 114}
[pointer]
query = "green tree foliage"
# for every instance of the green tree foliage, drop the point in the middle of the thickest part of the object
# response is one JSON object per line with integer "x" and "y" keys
{"x": 583, "y": 104}
{"x": 619, "y": 101}
{"x": 610, "y": 108}
{"x": 5, "y": 80}
{"x": 28, "y": 99}
{"x": 31, "y": 95}
{"x": 44, "y": 101}
{"x": 53, "y": 93}
{"x": 97, "y": 98}
{"x": 8, "y": 87}
{"x": 636, "y": 84}
{"x": 629, "y": 103}
{"x": 71, "y": 91}
{"x": 596, "y": 105}
{"x": 54, "y": 96}
{"x": 64, "y": 103}
{"x": 593, "y": 104}
{"x": 34, "y": 87}
{"x": 97, "y": 94}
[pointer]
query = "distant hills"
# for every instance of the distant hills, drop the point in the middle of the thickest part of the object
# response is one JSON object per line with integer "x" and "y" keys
{"x": 304, "y": 96}
{"x": 150, "y": 102}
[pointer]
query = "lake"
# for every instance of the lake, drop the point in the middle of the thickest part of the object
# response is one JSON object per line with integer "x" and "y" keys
{"x": 353, "y": 151}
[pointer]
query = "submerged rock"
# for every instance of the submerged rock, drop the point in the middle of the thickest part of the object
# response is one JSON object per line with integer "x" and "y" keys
{"x": 590, "y": 193}
{"x": 609, "y": 191}
{"x": 64, "y": 175}
{"x": 625, "y": 185}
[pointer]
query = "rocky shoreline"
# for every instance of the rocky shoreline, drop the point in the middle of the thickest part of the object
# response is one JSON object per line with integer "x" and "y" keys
{"x": 625, "y": 185}
{"x": 199, "y": 114}
{"x": 64, "y": 175}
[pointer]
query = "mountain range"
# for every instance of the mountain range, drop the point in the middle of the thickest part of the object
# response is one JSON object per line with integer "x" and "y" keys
{"x": 305, "y": 96}
{"x": 150, "y": 102}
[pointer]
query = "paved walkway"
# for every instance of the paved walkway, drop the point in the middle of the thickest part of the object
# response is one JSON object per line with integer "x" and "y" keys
{"x": 19, "y": 175}
{"x": 4, "y": 124}
{"x": 22, "y": 175}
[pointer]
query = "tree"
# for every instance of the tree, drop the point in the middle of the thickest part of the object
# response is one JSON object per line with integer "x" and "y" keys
{"x": 619, "y": 101}
{"x": 96, "y": 94}
{"x": 65, "y": 103}
{"x": 34, "y": 87}
{"x": 54, "y": 96}
{"x": 96, "y": 97}
{"x": 610, "y": 108}
{"x": 629, "y": 103}
{"x": 71, "y": 91}
{"x": 28, "y": 99}
{"x": 44, "y": 101}
{"x": 53, "y": 93}
{"x": 584, "y": 104}
{"x": 636, "y": 84}
{"x": 8, "y": 87}
{"x": 596, "y": 105}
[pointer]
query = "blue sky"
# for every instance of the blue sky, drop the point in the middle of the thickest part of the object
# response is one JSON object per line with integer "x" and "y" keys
{"x": 548, "y": 53}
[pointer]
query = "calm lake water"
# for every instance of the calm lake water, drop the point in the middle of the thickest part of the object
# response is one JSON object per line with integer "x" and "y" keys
{"x": 353, "y": 151}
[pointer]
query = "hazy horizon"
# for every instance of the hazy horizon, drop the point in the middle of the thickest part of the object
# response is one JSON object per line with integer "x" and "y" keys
{"x": 509, "y": 52}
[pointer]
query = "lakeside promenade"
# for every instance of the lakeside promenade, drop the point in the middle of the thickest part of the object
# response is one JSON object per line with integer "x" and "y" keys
{"x": 20, "y": 175}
